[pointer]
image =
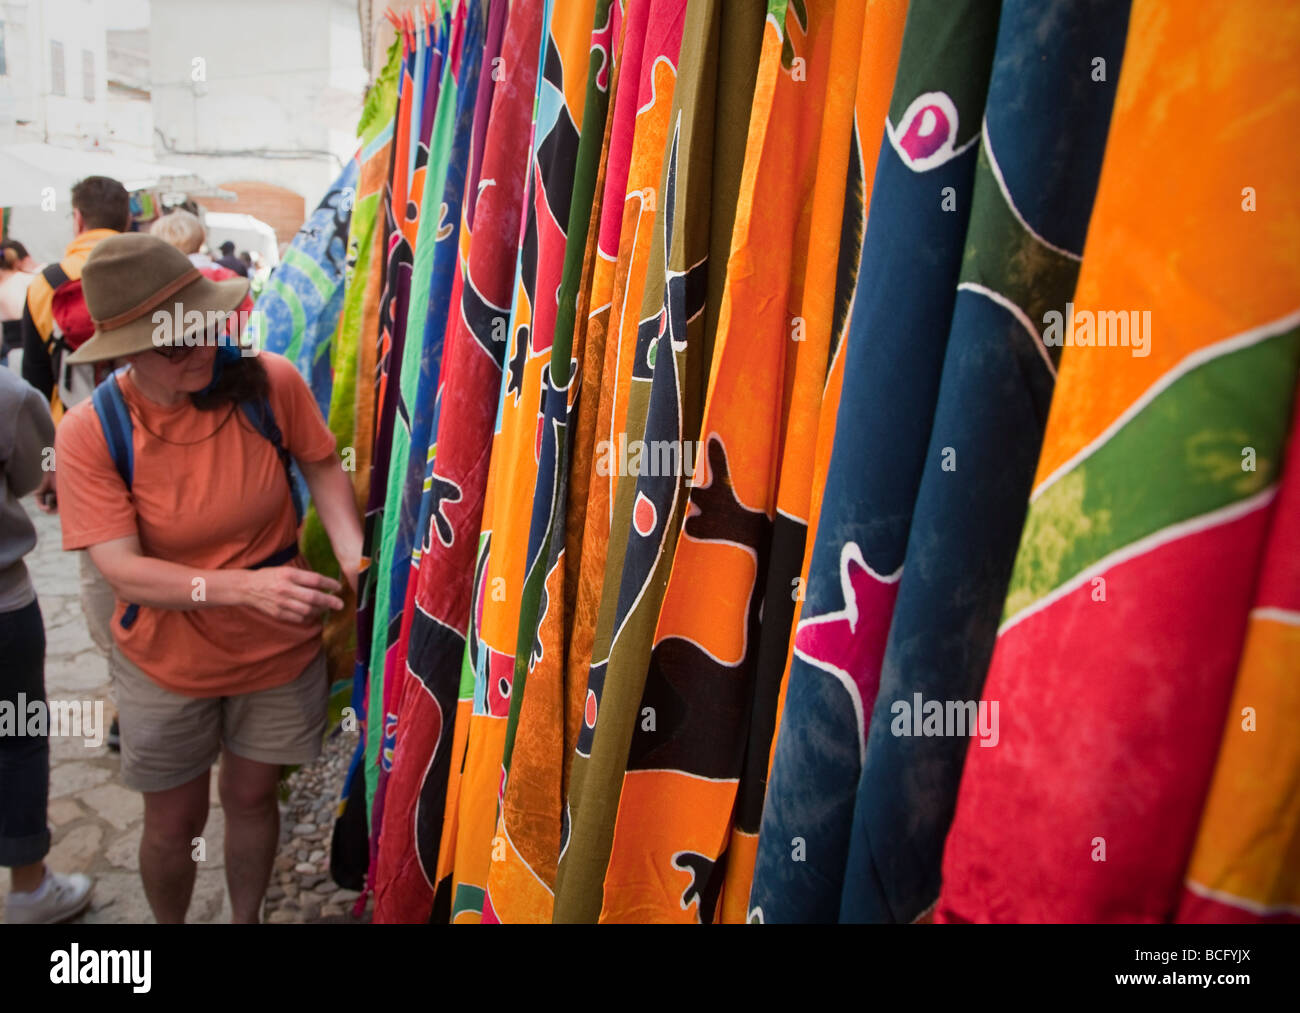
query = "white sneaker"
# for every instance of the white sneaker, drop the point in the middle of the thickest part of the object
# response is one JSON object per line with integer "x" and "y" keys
{"x": 57, "y": 899}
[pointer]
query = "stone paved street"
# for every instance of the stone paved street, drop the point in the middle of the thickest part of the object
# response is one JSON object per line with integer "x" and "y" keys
{"x": 97, "y": 823}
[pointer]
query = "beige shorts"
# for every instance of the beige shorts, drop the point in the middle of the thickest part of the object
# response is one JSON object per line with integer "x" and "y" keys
{"x": 168, "y": 739}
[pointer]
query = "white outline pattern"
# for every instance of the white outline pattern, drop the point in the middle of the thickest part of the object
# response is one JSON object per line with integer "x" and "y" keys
{"x": 1149, "y": 543}
{"x": 1207, "y": 353}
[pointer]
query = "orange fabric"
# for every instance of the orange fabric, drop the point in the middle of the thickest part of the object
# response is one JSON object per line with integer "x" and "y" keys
{"x": 40, "y": 297}
{"x": 1214, "y": 295}
{"x": 768, "y": 366}
{"x": 882, "y": 42}
{"x": 211, "y": 494}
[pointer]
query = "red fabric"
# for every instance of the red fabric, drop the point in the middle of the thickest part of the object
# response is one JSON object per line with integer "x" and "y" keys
{"x": 1086, "y": 751}
{"x": 71, "y": 314}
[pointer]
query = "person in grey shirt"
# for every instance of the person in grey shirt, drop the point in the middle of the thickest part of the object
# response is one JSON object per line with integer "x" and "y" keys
{"x": 37, "y": 893}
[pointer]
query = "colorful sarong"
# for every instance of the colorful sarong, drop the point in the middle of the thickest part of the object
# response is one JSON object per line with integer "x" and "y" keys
{"x": 1244, "y": 866}
{"x": 518, "y": 443}
{"x": 689, "y": 734}
{"x": 1043, "y": 137}
{"x": 522, "y": 876}
{"x": 298, "y": 312}
{"x": 607, "y": 527}
{"x": 902, "y": 310}
{"x": 878, "y": 63}
{"x": 1123, "y": 627}
{"x": 422, "y": 780}
{"x": 433, "y": 271}
{"x": 473, "y": 360}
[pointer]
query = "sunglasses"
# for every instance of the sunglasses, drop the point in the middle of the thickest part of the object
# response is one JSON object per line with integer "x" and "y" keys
{"x": 174, "y": 353}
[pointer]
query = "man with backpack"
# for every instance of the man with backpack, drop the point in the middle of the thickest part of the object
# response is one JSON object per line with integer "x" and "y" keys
{"x": 56, "y": 323}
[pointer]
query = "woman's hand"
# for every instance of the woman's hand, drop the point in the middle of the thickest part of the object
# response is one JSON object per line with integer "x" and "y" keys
{"x": 287, "y": 592}
{"x": 351, "y": 568}
{"x": 47, "y": 495}
{"x": 335, "y": 500}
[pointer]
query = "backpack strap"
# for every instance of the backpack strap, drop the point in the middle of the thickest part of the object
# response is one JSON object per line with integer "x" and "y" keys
{"x": 115, "y": 421}
{"x": 55, "y": 276}
{"x": 263, "y": 419}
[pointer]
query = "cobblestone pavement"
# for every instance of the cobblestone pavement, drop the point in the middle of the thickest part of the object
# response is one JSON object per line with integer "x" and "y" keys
{"x": 96, "y": 822}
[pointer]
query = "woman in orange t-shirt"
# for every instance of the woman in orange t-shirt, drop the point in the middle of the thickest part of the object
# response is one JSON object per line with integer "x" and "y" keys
{"x": 217, "y": 628}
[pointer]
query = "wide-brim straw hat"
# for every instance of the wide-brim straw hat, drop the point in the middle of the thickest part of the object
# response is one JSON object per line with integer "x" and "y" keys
{"x": 129, "y": 280}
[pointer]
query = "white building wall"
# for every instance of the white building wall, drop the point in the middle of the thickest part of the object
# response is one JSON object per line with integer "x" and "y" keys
{"x": 29, "y": 111}
{"x": 256, "y": 90}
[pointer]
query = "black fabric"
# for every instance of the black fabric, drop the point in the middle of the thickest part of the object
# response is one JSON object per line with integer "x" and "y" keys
{"x": 24, "y": 759}
{"x": 233, "y": 263}
{"x": 38, "y": 367}
{"x": 350, "y": 841}
{"x": 55, "y": 276}
{"x": 13, "y": 336}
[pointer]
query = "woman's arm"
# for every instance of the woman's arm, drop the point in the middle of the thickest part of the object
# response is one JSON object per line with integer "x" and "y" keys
{"x": 282, "y": 592}
{"x": 331, "y": 491}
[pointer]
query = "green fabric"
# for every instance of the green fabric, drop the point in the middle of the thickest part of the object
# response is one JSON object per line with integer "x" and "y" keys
{"x": 375, "y": 130}
{"x": 1164, "y": 470}
{"x": 408, "y": 381}
{"x": 421, "y": 274}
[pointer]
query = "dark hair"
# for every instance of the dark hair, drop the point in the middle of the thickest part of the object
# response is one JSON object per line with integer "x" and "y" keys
{"x": 227, "y": 248}
{"x": 12, "y": 253}
{"x": 103, "y": 203}
{"x": 242, "y": 379}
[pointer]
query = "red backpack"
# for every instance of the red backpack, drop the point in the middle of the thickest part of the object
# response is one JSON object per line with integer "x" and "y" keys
{"x": 73, "y": 324}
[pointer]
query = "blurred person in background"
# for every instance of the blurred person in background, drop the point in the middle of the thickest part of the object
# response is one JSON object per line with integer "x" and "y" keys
{"x": 230, "y": 261}
{"x": 184, "y": 231}
{"x": 54, "y": 321}
{"x": 55, "y": 324}
{"x": 17, "y": 269}
{"x": 37, "y": 894}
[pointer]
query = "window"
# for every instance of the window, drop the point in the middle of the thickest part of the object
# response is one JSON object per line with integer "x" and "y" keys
{"x": 57, "y": 86}
{"x": 88, "y": 75}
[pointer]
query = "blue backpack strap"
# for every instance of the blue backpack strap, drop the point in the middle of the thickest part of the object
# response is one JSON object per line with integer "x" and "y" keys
{"x": 115, "y": 421}
{"x": 263, "y": 419}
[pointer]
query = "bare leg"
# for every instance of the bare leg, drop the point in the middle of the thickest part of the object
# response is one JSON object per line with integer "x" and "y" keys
{"x": 248, "y": 795}
{"x": 172, "y": 819}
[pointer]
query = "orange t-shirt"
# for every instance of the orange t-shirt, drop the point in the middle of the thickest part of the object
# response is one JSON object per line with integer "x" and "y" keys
{"x": 208, "y": 491}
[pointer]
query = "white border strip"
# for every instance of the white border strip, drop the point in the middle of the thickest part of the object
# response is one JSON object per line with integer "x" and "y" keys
{"x": 1018, "y": 313}
{"x": 1006, "y": 195}
{"x": 1288, "y": 617}
{"x": 1241, "y": 903}
{"x": 906, "y": 159}
{"x": 1198, "y": 358}
{"x": 1155, "y": 540}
